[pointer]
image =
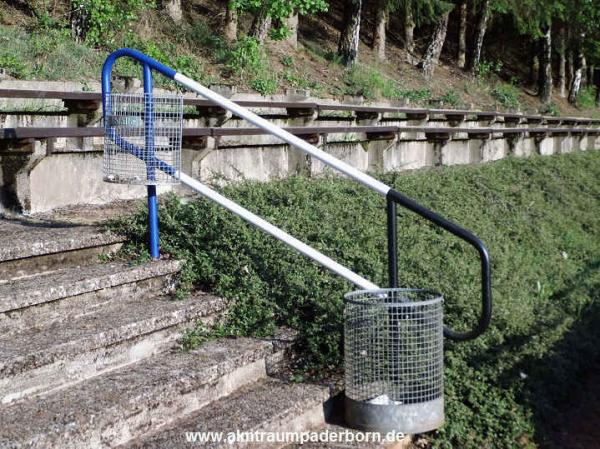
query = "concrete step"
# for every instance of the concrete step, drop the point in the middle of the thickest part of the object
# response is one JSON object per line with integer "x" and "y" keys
{"x": 124, "y": 404}
{"x": 266, "y": 406}
{"x": 117, "y": 333}
{"x": 66, "y": 294}
{"x": 32, "y": 247}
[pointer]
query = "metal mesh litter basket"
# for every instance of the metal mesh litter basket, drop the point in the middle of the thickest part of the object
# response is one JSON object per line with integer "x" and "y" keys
{"x": 394, "y": 360}
{"x": 142, "y": 131}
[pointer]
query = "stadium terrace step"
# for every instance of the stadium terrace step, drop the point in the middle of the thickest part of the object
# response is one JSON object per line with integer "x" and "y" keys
{"x": 126, "y": 403}
{"x": 122, "y": 331}
{"x": 88, "y": 356}
{"x": 67, "y": 292}
{"x": 32, "y": 247}
{"x": 265, "y": 406}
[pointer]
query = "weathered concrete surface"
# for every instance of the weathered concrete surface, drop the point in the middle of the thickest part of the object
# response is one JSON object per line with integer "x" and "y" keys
{"x": 269, "y": 406}
{"x": 237, "y": 164}
{"x": 90, "y": 214}
{"x": 31, "y": 247}
{"x": 66, "y": 283}
{"x": 409, "y": 155}
{"x": 23, "y": 238}
{"x": 67, "y": 294}
{"x": 545, "y": 146}
{"x": 80, "y": 183}
{"x": 458, "y": 152}
{"x": 123, "y": 404}
{"x": 117, "y": 333}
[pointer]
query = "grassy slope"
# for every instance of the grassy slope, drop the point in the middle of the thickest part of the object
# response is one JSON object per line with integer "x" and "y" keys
{"x": 44, "y": 54}
{"x": 540, "y": 218}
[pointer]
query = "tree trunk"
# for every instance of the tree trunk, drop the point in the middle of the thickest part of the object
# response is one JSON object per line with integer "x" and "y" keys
{"x": 260, "y": 25}
{"x": 562, "y": 61}
{"x": 534, "y": 65}
{"x": 462, "y": 36}
{"x": 409, "y": 33}
{"x": 578, "y": 75}
{"x": 597, "y": 83}
{"x": 590, "y": 75}
{"x": 79, "y": 23}
{"x": 570, "y": 57}
{"x": 231, "y": 23}
{"x": 173, "y": 9}
{"x": 379, "y": 31}
{"x": 545, "y": 82}
{"x": 583, "y": 70}
{"x": 434, "y": 49}
{"x": 480, "y": 34}
{"x": 292, "y": 25}
{"x": 349, "y": 38}
{"x": 570, "y": 66}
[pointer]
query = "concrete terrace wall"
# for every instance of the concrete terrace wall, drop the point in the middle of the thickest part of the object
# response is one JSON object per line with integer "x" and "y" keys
{"x": 39, "y": 175}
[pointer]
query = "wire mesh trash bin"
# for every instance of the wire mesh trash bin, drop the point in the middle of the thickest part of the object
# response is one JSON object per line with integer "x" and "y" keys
{"x": 143, "y": 131}
{"x": 394, "y": 360}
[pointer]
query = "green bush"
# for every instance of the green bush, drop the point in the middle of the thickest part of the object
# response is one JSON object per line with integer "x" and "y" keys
{"x": 550, "y": 109}
{"x": 538, "y": 216}
{"x": 587, "y": 98}
{"x": 485, "y": 69}
{"x": 287, "y": 61}
{"x": 300, "y": 81}
{"x": 264, "y": 84}
{"x": 108, "y": 17}
{"x": 13, "y": 65}
{"x": 451, "y": 98}
{"x": 507, "y": 96}
{"x": 372, "y": 84}
{"x": 48, "y": 54}
{"x": 203, "y": 36}
{"x": 246, "y": 56}
{"x": 248, "y": 60}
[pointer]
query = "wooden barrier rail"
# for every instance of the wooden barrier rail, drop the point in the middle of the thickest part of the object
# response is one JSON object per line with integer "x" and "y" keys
{"x": 92, "y": 100}
{"x": 47, "y": 132}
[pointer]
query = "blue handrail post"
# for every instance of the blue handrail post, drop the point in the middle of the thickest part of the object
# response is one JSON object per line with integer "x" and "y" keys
{"x": 149, "y": 140}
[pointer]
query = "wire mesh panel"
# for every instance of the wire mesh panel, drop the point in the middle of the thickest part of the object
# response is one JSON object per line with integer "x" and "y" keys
{"x": 142, "y": 134}
{"x": 394, "y": 360}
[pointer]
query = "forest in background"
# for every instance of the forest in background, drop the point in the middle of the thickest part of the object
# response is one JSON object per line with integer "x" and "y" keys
{"x": 511, "y": 54}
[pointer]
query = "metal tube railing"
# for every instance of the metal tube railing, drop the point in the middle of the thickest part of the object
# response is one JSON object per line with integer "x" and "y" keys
{"x": 393, "y": 197}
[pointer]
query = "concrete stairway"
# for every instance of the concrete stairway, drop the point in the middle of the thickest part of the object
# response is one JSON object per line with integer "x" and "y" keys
{"x": 88, "y": 354}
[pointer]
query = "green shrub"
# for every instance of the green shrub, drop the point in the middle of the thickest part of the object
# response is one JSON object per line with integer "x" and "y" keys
{"x": 485, "y": 69}
{"x": 246, "y": 56}
{"x": 13, "y": 65}
{"x": 202, "y": 35}
{"x": 372, "y": 84}
{"x": 539, "y": 218}
{"x": 550, "y": 109}
{"x": 48, "y": 54}
{"x": 507, "y": 96}
{"x": 108, "y": 17}
{"x": 264, "y": 84}
{"x": 287, "y": 61}
{"x": 451, "y": 98}
{"x": 587, "y": 97}
{"x": 248, "y": 60}
{"x": 301, "y": 82}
